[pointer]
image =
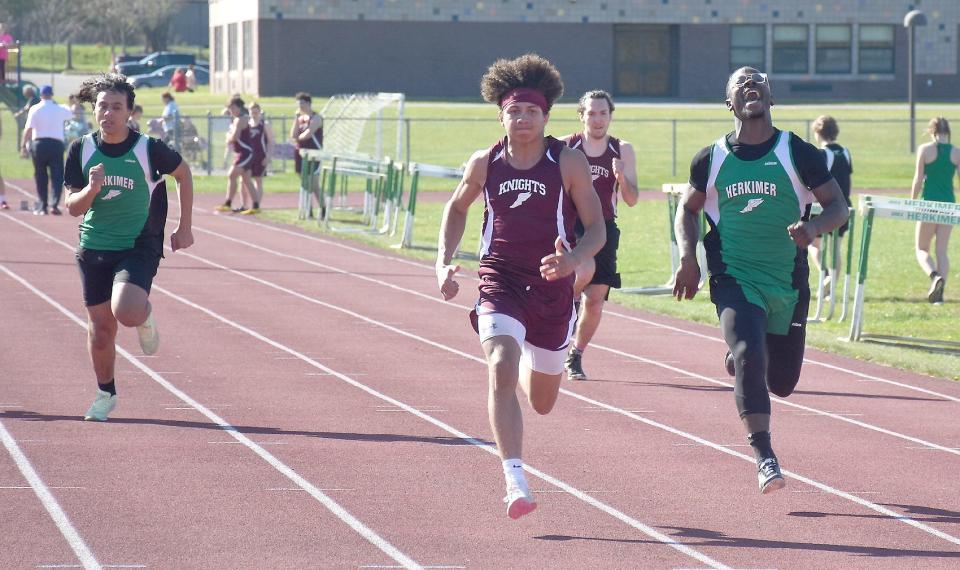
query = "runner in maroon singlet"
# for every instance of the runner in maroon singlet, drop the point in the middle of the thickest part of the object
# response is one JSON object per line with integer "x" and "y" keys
{"x": 238, "y": 137}
{"x": 307, "y": 132}
{"x": 613, "y": 167}
{"x": 532, "y": 187}
{"x": 260, "y": 134}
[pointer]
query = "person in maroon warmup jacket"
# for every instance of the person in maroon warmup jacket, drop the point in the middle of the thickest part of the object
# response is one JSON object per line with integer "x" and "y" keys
{"x": 533, "y": 187}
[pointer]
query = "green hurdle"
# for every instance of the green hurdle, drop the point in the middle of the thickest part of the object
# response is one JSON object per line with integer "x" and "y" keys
{"x": 829, "y": 257}
{"x": 872, "y": 207}
{"x": 673, "y": 193}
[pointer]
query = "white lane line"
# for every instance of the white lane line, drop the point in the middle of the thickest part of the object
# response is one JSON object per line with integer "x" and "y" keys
{"x": 857, "y": 500}
{"x": 331, "y": 505}
{"x": 87, "y": 560}
{"x": 399, "y": 557}
{"x": 645, "y": 529}
{"x": 29, "y": 487}
{"x": 429, "y": 268}
{"x": 579, "y": 494}
{"x": 687, "y": 374}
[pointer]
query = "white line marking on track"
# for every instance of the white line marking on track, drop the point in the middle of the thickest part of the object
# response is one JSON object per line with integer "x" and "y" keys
{"x": 686, "y": 373}
{"x": 301, "y": 490}
{"x": 296, "y": 478}
{"x": 327, "y": 502}
{"x": 857, "y": 500}
{"x": 48, "y": 487}
{"x": 429, "y": 268}
{"x": 87, "y": 560}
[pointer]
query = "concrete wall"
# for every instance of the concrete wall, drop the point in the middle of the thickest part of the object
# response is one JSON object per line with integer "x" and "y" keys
{"x": 422, "y": 59}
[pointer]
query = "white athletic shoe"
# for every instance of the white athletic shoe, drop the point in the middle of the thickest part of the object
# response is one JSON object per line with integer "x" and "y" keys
{"x": 149, "y": 336}
{"x": 101, "y": 407}
{"x": 519, "y": 501}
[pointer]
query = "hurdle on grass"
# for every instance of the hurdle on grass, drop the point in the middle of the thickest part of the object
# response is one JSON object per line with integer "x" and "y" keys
{"x": 830, "y": 251}
{"x": 674, "y": 192}
{"x": 383, "y": 180}
{"x": 907, "y": 210}
{"x": 416, "y": 170}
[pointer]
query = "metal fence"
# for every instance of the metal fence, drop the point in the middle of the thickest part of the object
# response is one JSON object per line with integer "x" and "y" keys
{"x": 664, "y": 147}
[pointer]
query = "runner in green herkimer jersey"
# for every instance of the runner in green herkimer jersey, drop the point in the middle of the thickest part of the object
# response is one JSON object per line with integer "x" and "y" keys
{"x": 114, "y": 179}
{"x": 756, "y": 185}
{"x": 933, "y": 180}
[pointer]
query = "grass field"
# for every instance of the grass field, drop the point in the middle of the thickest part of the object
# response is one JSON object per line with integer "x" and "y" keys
{"x": 446, "y": 134}
{"x": 86, "y": 57}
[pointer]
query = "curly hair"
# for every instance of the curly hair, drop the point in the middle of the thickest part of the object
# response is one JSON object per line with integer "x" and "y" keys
{"x": 113, "y": 82}
{"x": 529, "y": 70}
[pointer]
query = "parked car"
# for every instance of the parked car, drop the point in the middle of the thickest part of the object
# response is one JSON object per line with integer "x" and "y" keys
{"x": 155, "y": 61}
{"x": 161, "y": 77}
{"x": 127, "y": 58}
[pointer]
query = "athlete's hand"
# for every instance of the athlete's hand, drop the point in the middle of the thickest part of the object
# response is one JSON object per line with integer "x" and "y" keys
{"x": 560, "y": 264}
{"x": 687, "y": 280}
{"x": 802, "y": 233}
{"x": 448, "y": 287}
{"x": 617, "y": 169}
{"x": 181, "y": 239}
{"x": 97, "y": 177}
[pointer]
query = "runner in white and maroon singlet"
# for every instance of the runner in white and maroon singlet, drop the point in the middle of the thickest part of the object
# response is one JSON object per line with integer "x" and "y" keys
{"x": 260, "y": 134}
{"x": 613, "y": 167}
{"x": 238, "y": 138}
{"x": 532, "y": 187}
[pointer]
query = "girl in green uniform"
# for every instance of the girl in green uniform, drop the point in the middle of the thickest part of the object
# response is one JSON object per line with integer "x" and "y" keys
{"x": 937, "y": 163}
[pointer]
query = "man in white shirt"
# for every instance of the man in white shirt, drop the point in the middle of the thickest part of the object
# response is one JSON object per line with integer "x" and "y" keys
{"x": 191, "y": 79}
{"x": 44, "y": 132}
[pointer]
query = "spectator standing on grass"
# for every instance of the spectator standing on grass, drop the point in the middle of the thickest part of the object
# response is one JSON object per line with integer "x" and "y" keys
{"x": 178, "y": 82}
{"x": 31, "y": 99}
{"x": 840, "y": 165}
{"x": 6, "y": 41}
{"x": 134, "y": 121}
{"x": 3, "y": 186}
{"x": 191, "y": 79}
{"x": 937, "y": 163}
{"x": 44, "y": 133}
{"x": 171, "y": 114}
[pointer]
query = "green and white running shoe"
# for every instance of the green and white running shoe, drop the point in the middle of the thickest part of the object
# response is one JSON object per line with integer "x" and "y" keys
{"x": 149, "y": 336}
{"x": 101, "y": 407}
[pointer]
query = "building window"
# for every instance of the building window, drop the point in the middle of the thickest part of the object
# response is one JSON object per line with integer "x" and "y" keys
{"x": 876, "y": 49}
{"x": 748, "y": 47}
{"x": 791, "y": 49}
{"x": 833, "y": 49}
{"x": 218, "y": 48}
{"x": 248, "y": 45}
{"x": 232, "y": 47}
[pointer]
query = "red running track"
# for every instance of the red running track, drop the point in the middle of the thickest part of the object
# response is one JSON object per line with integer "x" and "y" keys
{"x": 314, "y": 405}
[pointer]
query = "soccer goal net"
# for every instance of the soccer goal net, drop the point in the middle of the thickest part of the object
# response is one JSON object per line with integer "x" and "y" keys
{"x": 365, "y": 124}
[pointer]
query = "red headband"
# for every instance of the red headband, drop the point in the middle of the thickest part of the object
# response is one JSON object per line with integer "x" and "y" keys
{"x": 525, "y": 95}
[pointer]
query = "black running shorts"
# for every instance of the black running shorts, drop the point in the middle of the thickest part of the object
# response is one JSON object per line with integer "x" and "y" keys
{"x": 100, "y": 269}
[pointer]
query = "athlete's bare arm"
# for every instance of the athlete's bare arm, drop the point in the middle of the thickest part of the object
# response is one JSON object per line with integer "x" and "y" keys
{"x": 920, "y": 172}
{"x": 625, "y": 171}
{"x": 687, "y": 229}
{"x": 293, "y": 127}
{"x": 79, "y": 200}
{"x": 579, "y": 185}
{"x": 315, "y": 123}
{"x": 834, "y": 214}
{"x": 454, "y": 221}
{"x": 182, "y": 237}
{"x": 271, "y": 142}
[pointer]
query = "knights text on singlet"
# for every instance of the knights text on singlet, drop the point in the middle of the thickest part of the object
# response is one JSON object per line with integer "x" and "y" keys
{"x": 525, "y": 212}
{"x": 601, "y": 171}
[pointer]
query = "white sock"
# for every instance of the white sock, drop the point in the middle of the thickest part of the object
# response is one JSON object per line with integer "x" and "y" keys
{"x": 513, "y": 471}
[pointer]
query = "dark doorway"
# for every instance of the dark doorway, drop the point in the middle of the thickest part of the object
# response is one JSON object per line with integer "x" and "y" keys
{"x": 645, "y": 60}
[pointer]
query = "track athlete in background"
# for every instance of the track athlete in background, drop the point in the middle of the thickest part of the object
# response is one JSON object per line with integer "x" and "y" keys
{"x": 533, "y": 188}
{"x": 937, "y": 163}
{"x": 756, "y": 185}
{"x": 613, "y": 168}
